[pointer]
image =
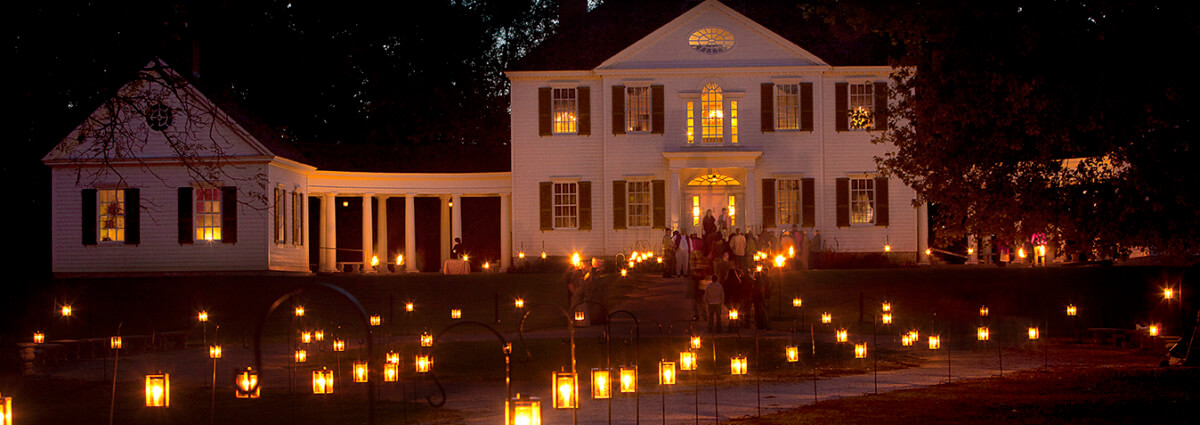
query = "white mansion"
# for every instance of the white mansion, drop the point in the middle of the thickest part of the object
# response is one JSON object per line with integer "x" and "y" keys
{"x": 711, "y": 110}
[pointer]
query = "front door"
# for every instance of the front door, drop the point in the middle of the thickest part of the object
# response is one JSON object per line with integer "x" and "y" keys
{"x": 705, "y": 198}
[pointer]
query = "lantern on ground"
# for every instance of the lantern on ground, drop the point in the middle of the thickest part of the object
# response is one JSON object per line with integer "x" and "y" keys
{"x": 158, "y": 390}
{"x": 935, "y": 342}
{"x": 566, "y": 390}
{"x": 322, "y": 381}
{"x": 392, "y": 357}
{"x": 376, "y": 320}
{"x": 843, "y": 335}
{"x": 114, "y": 342}
{"x": 887, "y": 248}
{"x": 423, "y": 363}
{"x": 456, "y": 313}
{"x": 579, "y": 316}
{"x": 374, "y": 261}
{"x": 360, "y": 372}
{"x": 983, "y": 311}
{"x": 695, "y": 342}
{"x": 738, "y": 365}
{"x": 886, "y": 318}
{"x": 339, "y": 345}
{"x": 860, "y": 351}
{"x": 214, "y": 351}
{"x": 575, "y": 262}
{"x": 526, "y": 411}
{"x": 928, "y": 252}
{"x": 299, "y": 311}
{"x": 826, "y": 318}
{"x": 319, "y": 335}
{"x": 246, "y": 384}
{"x": 301, "y": 355}
{"x": 914, "y": 335}
{"x": 791, "y": 252}
{"x": 306, "y": 337}
{"x": 391, "y": 372}
{"x": 982, "y": 333}
{"x": 66, "y": 310}
{"x": 629, "y": 379}
{"x": 733, "y": 314}
{"x": 793, "y": 353}
{"x": 486, "y": 265}
{"x": 1153, "y": 330}
{"x": 886, "y": 307}
{"x": 426, "y": 339}
{"x": 519, "y": 303}
{"x": 5, "y": 410}
{"x": 399, "y": 261}
{"x": 758, "y": 268}
{"x": 687, "y": 360}
{"x": 1072, "y": 311}
{"x": 797, "y": 302}
{"x": 408, "y": 306}
{"x": 601, "y": 384}
{"x": 1033, "y": 332}
{"x": 666, "y": 373}
{"x": 39, "y": 338}
{"x": 1021, "y": 252}
{"x": 202, "y": 316}
{"x": 659, "y": 260}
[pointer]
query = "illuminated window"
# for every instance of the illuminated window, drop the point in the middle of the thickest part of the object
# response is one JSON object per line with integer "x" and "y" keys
{"x": 280, "y": 215}
{"x": 566, "y": 205}
{"x": 862, "y": 104}
{"x": 862, "y": 201}
{"x": 733, "y": 122}
{"x": 695, "y": 210}
{"x": 787, "y": 195}
{"x": 297, "y": 218}
{"x": 208, "y": 214}
{"x": 787, "y": 106}
{"x": 112, "y": 214}
{"x": 638, "y": 204}
{"x": 637, "y": 109}
{"x": 711, "y": 114}
{"x": 565, "y": 105}
{"x": 711, "y": 40}
{"x": 691, "y": 123}
{"x": 732, "y": 211}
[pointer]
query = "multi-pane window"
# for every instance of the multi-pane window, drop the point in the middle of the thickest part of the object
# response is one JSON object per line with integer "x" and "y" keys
{"x": 711, "y": 114}
{"x": 637, "y": 109}
{"x": 787, "y": 196}
{"x": 733, "y": 121}
{"x": 787, "y": 106}
{"x": 861, "y": 113}
{"x": 566, "y": 205}
{"x": 691, "y": 122}
{"x": 297, "y": 219}
{"x": 112, "y": 214}
{"x": 565, "y": 107}
{"x": 280, "y": 216}
{"x": 208, "y": 214}
{"x": 638, "y": 204}
{"x": 862, "y": 201}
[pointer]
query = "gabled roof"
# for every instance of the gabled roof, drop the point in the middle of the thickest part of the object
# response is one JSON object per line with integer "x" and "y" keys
{"x": 617, "y": 24}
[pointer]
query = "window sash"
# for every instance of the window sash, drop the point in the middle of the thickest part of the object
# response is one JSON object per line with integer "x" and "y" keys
{"x": 208, "y": 214}
{"x": 111, "y": 214}
{"x": 566, "y": 205}
{"x": 862, "y": 201}
{"x": 787, "y": 106}
{"x": 637, "y": 205}
{"x": 565, "y": 107}
{"x": 789, "y": 206}
{"x": 712, "y": 121}
{"x": 637, "y": 109}
{"x": 862, "y": 101}
{"x": 280, "y": 216}
{"x": 297, "y": 219}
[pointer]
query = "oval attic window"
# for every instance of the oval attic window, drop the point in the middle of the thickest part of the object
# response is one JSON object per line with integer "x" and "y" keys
{"x": 711, "y": 40}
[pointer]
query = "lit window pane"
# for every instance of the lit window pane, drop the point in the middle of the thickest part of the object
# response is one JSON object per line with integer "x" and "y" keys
{"x": 565, "y": 106}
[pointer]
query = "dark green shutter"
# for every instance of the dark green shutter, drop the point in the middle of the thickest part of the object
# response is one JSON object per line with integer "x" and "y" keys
{"x": 881, "y": 106}
{"x": 806, "y": 106}
{"x": 842, "y": 187}
{"x": 229, "y": 207}
{"x": 767, "y": 106}
{"x": 585, "y": 111}
{"x": 618, "y": 194}
{"x": 585, "y": 205}
{"x": 656, "y": 109}
{"x": 89, "y": 217}
{"x": 544, "y": 123}
{"x": 768, "y": 202}
{"x": 618, "y": 109}
{"x": 840, "y": 106}
{"x": 808, "y": 202}
{"x": 185, "y": 215}
{"x": 881, "y": 201}
{"x": 133, "y": 219}
{"x": 546, "y": 205}
{"x": 658, "y": 203}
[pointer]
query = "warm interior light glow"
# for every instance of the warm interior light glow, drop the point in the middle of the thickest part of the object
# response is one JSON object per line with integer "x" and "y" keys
{"x": 843, "y": 335}
{"x": 487, "y": 265}
{"x": 1033, "y": 332}
{"x": 793, "y": 353}
{"x": 202, "y": 316}
{"x": 299, "y": 311}
{"x": 456, "y": 313}
{"x": 244, "y": 381}
{"x": 566, "y": 390}
{"x": 687, "y": 360}
{"x": 391, "y": 372}
{"x": 791, "y": 252}
{"x": 5, "y": 410}
{"x": 114, "y": 342}
{"x": 826, "y": 318}
{"x": 628, "y": 379}
{"x": 39, "y": 338}
{"x": 935, "y": 342}
{"x": 322, "y": 381}
{"x": 400, "y": 260}
{"x": 601, "y": 384}
{"x": 860, "y": 351}
{"x": 666, "y": 373}
{"x": 360, "y": 372}
{"x": 982, "y": 333}
{"x": 376, "y": 320}
{"x": 158, "y": 390}
{"x": 738, "y": 365}
{"x": 1071, "y": 310}
{"x": 339, "y": 345}
{"x": 423, "y": 363}
{"x": 214, "y": 351}
{"x": 301, "y": 355}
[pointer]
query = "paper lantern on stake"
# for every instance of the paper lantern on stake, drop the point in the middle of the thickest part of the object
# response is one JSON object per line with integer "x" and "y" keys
{"x": 424, "y": 363}
{"x": 202, "y": 316}
{"x": 629, "y": 379}
{"x": 1153, "y": 330}
{"x": 738, "y": 365}
{"x": 393, "y": 357}
{"x": 886, "y": 318}
{"x": 1033, "y": 333}
{"x": 579, "y": 316}
{"x": 66, "y": 310}
{"x": 526, "y": 411}
{"x": 322, "y": 381}
{"x": 793, "y": 353}
{"x": 601, "y": 384}
{"x": 666, "y": 373}
{"x": 391, "y": 372}
{"x": 246, "y": 384}
{"x": 842, "y": 335}
{"x": 158, "y": 390}
{"x": 376, "y": 320}
{"x": 214, "y": 351}
{"x": 306, "y": 337}
{"x": 733, "y": 314}
{"x": 797, "y": 302}
{"x": 566, "y": 390}
{"x": 826, "y": 318}
{"x": 519, "y": 302}
{"x": 339, "y": 345}
{"x": 360, "y": 372}
{"x": 114, "y": 342}
{"x": 695, "y": 342}
{"x": 1072, "y": 311}
{"x": 860, "y": 351}
{"x": 886, "y": 307}
{"x": 426, "y": 339}
{"x": 982, "y": 333}
{"x": 687, "y": 360}
{"x": 39, "y": 338}
{"x": 935, "y": 342}
{"x": 301, "y": 355}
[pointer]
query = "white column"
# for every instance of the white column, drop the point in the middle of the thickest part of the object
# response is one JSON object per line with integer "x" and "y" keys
{"x": 923, "y": 234}
{"x": 673, "y": 196}
{"x": 329, "y": 233}
{"x": 445, "y": 229}
{"x": 410, "y": 234}
{"x": 972, "y": 250}
{"x": 505, "y": 231}
{"x": 367, "y": 229}
{"x": 381, "y": 227}
{"x": 750, "y": 204}
{"x": 456, "y": 217}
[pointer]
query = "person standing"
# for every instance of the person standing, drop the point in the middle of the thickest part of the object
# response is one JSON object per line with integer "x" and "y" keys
{"x": 457, "y": 250}
{"x": 683, "y": 253}
{"x": 709, "y": 224}
{"x": 751, "y": 250}
{"x": 723, "y": 222}
{"x": 817, "y": 247}
{"x": 668, "y": 252}
{"x": 805, "y": 248}
{"x": 737, "y": 248}
{"x": 714, "y": 297}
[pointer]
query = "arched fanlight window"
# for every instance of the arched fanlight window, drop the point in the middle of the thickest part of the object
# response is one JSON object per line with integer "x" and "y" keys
{"x": 714, "y": 180}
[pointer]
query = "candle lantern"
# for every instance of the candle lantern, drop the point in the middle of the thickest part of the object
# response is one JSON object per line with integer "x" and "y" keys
{"x": 1153, "y": 330}
{"x": 301, "y": 355}
{"x": 1033, "y": 332}
{"x": 666, "y": 373}
{"x": 393, "y": 357}
{"x": 687, "y": 360}
{"x": 202, "y": 316}
{"x": 566, "y": 390}
{"x": 886, "y": 307}
{"x": 695, "y": 342}
{"x": 66, "y": 311}
{"x": 738, "y": 365}
{"x": 39, "y": 338}
{"x": 487, "y": 265}
{"x": 906, "y": 340}
{"x": 983, "y": 311}
{"x": 575, "y": 262}
{"x": 887, "y": 248}
{"x": 339, "y": 345}
{"x": 1072, "y": 311}
{"x": 982, "y": 333}
{"x": 842, "y": 335}
{"x": 299, "y": 311}
{"x": 426, "y": 339}
{"x": 860, "y": 351}
{"x": 158, "y": 390}
{"x": 733, "y": 314}
{"x": 579, "y": 316}
{"x": 423, "y": 363}
{"x": 246, "y": 384}
{"x": 306, "y": 337}
{"x": 629, "y": 379}
{"x": 780, "y": 261}
{"x": 526, "y": 411}
{"x": 797, "y": 302}
{"x": 758, "y": 268}
{"x": 214, "y": 351}
{"x": 935, "y": 342}
{"x": 408, "y": 306}
{"x": 791, "y": 252}
{"x": 886, "y": 318}
{"x": 826, "y": 318}
{"x": 114, "y": 342}
{"x": 322, "y": 381}
{"x": 793, "y": 353}
{"x": 1168, "y": 293}
{"x": 376, "y": 320}
{"x": 659, "y": 261}
{"x": 399, "y": 261}
{"x": 519, "y": 302}
{"x": 391, "y": 372}
{"x": 543, "y": 255}
{"x": 319, "y": 335}
{"x": 601, "y": 384}
{"x": 5, "y": 410}
{"x": 521, "y": 255}
{"x": 624, "y": 273}
{"x": 360, "y": 372}
{"x": 456, "y": 313}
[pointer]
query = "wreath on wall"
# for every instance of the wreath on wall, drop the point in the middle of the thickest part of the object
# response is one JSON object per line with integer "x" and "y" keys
{"x": 860, "y": 118}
